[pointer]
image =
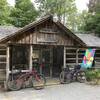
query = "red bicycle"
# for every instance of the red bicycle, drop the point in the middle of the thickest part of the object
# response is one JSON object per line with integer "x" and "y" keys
{"x": 17, "y": 79}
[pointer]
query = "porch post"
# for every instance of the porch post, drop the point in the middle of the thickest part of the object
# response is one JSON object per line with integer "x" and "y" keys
{"x": 77, "y": 56}
{"x": 64, "y": 63}
{"x": 30, "y": 59}
{"x": 51, "y": 61}
{"x": 7, "y": 64}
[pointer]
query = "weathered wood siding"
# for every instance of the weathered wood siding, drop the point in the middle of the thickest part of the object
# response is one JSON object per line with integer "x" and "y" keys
{"x": 97, "y": 58}
{"x": 2, "y": 63}
{"x": 46, "y": 33}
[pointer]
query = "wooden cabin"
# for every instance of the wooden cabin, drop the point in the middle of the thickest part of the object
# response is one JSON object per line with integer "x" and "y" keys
{"x": 43, "y": 41}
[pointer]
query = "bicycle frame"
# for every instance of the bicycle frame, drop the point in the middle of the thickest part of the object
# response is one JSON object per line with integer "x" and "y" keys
{"x": 33, "y": 78}
{"x": 26, "y": 76}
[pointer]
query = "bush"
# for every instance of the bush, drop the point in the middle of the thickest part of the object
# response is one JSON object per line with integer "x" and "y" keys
{"x": 92, "y": 74}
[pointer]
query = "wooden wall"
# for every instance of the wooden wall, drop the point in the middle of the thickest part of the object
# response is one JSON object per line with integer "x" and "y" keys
{"x": 72, "y": 56}
{"x": 46, "y": 33}
{"x": 2, "y": 63}
{"x": 97, "y": 58}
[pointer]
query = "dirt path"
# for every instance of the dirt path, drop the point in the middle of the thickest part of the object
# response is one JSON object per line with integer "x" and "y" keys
{"x": 73, "y": 91}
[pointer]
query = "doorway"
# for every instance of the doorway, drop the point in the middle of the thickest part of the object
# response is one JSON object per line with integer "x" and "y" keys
{"x": 57, "y": 60}
{"x": 47, "y": 59}
{"x": 51, "y": 58}
{"x": 43, "y": 56}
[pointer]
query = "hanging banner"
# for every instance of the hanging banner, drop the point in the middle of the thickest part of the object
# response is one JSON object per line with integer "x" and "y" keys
{"x": 88, "y": 58}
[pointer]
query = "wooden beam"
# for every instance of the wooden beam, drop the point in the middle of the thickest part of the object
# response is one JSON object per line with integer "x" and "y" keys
{"x": 72, "y": 64}
{"x": 7, "y": 64}
{"x": 77, "y": 56}
{"x": 7, "y": 67}
{"x": 51, "y": 61}
{"x": 64, "y": 63}
{"x": 76, "y": 59}
{"x": 40, "y": 61}
{"x": 30, "y": 57}
{"x": 49, "y": 32}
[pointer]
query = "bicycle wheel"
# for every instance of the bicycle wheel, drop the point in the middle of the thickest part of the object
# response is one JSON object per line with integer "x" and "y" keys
{"x": 14, "y": 85}
{"x": 68, "y": 78}
{"x": 81, "y": 77}
{"x": 38, "y": 82}
{"x": 65, "y": 78}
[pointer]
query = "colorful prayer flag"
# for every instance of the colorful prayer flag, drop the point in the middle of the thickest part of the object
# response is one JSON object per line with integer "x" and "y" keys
{"x": 88, "y": 58}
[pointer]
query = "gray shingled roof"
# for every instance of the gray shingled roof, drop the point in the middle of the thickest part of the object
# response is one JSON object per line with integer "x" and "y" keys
{"x": 89, "y": 39}
{"x": 7, "y": 30}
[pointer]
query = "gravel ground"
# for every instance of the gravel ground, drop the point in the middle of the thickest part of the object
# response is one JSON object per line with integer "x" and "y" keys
{"x": 73, "y": 91}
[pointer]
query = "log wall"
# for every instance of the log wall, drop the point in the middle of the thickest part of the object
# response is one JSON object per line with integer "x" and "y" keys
{"x": 74, "y": 56}
{"x": 3, "y": 62}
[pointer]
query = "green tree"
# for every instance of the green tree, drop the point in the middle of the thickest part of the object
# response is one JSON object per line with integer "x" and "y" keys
{"x": 80, "y": 20}
{"x": 65, "y": 10}
{"x": 92, "y": 22}
{"x": 4, "y": 12}
{"x": 23, "y": 13}
{"x": 94, "y": 6}
{"x": 51, "y": 7}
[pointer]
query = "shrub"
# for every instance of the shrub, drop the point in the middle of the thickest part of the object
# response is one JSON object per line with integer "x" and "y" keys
{"x": 92, "y": 74}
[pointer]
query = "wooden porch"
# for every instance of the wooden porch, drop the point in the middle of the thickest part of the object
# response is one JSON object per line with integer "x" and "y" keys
{"x": 25, "y": 57}
{"x": 56, "y": 58}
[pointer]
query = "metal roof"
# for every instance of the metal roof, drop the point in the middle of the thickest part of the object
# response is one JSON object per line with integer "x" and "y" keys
{"x": 89, "y": 39}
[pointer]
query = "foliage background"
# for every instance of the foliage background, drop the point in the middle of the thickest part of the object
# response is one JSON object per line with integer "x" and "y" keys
{"x": 24, "y": 12}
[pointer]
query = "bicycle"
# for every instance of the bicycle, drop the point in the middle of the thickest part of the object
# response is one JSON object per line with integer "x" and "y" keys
{"x": 63, "y": 75}
{"x": 76, "y": 74}
{"x": 17, "y": 79}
